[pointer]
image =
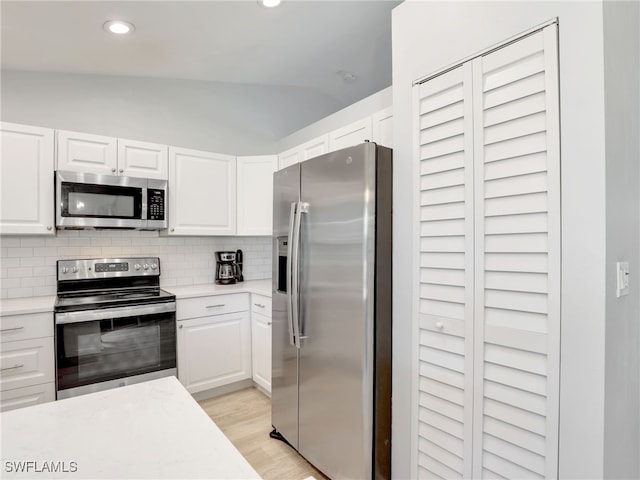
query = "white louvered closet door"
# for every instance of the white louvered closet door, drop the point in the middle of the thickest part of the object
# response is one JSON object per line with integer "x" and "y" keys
{"x": 488, "y": 148}
{"x": 445, "y": 152}
{"x": 517, "y": 259}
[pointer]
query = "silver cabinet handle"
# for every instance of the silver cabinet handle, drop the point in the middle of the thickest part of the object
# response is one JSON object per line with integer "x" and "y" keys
{"x": 113, "y": 170}
{"x": 181, "y": 326}
{"x": 11, "y": 329}
{"x": 173, "y": 229}
{"x": 269, "y": 323}
{"x": 215, "y": 306}
{"x": 259, "y": 305}
{"x": 121, "y": 170}
{"x": 49, "y": 227}
{"x": 12, "y": 368}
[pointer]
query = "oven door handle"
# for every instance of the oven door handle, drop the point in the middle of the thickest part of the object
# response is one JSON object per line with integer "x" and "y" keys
{"x": 118, "y": 312}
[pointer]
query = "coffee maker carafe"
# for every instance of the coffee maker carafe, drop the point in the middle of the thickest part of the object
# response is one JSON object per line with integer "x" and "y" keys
{"x": 228, "y": 267}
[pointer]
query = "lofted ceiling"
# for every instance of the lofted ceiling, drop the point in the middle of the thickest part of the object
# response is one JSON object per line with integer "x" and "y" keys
{"x": 309, "y": 48}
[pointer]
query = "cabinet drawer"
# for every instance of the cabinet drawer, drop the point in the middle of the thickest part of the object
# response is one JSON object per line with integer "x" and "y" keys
{"x": 212, "y": 305}
{"x": 22, "y": 327}
{"x": 27, "y": 396}
{"x": 261, "y": 304}
{"x": 26, "y": 362}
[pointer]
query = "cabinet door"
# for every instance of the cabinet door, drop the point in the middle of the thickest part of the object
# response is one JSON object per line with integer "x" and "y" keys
{"x": 352, "y": 134}
{"x": 290, "y": 157}
{"x": 382, "y": 127}
{"x": 261, "y": 350}
{"x": 261, "y": 340}
{"x": 26, "y": 180}
{"x": 26, "y": 362}
{"x": 313, "y": 148}
{"x": 202, "y": 193}
{"x": 255, "y": 194}
{"x": 82, "y": 152}
{"x": 214, "y": 351}
{"x": 27, "y": 396}
{"x": 141, "y": 159}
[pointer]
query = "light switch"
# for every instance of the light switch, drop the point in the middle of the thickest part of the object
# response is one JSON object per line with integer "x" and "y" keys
{"x": 622, "y": 275}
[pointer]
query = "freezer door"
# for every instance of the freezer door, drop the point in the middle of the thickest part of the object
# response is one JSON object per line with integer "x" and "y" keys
{"x": 337, "y": 262}
{"x": 284, "y": 370}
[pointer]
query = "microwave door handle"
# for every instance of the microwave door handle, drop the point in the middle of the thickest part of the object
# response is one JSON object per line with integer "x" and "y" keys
{"x": 143, "y": 213}
{"x": 290, "y": 316}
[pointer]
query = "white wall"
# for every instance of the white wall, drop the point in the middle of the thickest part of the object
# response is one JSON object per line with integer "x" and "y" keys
{"x": 28, "y": 263}
{"x": 226, "y": 118}
{"x": 622, "y": 127}
{"x": 428, "y": 36}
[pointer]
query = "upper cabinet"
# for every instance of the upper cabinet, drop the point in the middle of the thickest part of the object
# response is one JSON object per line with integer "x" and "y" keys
{"x": 382, "y": 127}
{"x": 202, "y": 193}
{"x": 310, "y": 149}
{"x": 82, "y": 152}
{"x": 376, "y": 128}
{"x": 26, "y": 180}
{"x": 142, "y": 159}
{"x": 255, "y": 194}
{"x": 349, "y": 135}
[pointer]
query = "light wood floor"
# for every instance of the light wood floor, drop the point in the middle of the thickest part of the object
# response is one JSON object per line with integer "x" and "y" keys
{"x": 245, "y": 418}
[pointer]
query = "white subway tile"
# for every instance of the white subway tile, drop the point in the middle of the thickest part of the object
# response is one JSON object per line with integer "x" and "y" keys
{"x": 44, "y": 291}
{"x": 32, "y": 242}
{"x": 10, "y": 241}
{"x": 10, "y": 282}
{"x": 33, "y": 282}
{"x": 19, "y": 252}
{"x": 32, "y": 261}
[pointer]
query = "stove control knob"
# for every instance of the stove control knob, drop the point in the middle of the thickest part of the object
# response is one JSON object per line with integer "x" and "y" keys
{"x": 154, "y": 266}
{"x": 146, "y": 266}
{"x": 65, "y": 269}
{"x": 74, "y": 269}
{"x": 137, "y": 266}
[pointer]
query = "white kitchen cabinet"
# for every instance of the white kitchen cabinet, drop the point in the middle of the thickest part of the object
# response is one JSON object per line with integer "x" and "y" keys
{"x": 488, "y": 286}
{"x": 27, "y": 360}
{"x": 382, "y": 127}
{"x": 310, "y": 149}
{"x": 255, "y": 194}
{"x": 26, "y": 180}
{"x": 143, "y": 159}
{"x": 202, "y": 193}
{"x": 83, "y": 152}
{"x": 214, "y": 349}
{"x": 352, "y": 134}
{"x": 88, "y": 153}
{"x": 261, "y": 340}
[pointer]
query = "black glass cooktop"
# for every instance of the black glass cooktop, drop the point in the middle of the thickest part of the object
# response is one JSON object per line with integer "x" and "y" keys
{"x": 90, "y": 300}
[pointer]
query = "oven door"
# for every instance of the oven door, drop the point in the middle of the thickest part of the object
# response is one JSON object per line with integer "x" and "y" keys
{"x": 100, "y": 201}
{"x": 96, "y": 347}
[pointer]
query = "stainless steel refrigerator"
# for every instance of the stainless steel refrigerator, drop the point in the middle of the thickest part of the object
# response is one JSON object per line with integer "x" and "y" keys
{"x": 331, "y": 368}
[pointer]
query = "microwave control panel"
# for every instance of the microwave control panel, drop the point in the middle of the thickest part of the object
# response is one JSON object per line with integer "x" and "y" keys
{"x": 155, "y": 204}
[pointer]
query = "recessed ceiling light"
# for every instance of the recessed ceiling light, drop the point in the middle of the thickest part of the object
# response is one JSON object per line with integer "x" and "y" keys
{"x": 269, "y": 3}
{"x": 119, "y": 27}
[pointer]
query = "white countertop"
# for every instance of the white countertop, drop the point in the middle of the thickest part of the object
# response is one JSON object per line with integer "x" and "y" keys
{"x": 148, "y": 430}
{"x": 18, "y": 306}
{"x": 27, "y": 305}
{"x": 261, "y": 287}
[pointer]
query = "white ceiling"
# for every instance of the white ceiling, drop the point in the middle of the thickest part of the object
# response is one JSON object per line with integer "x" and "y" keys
{"x": 302, "y": 45}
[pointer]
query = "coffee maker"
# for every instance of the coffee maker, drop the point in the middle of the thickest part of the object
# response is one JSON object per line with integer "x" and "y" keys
{"x": 229, "y": 267}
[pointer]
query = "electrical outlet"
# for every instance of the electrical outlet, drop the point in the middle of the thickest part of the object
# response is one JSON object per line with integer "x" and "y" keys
{"x": 622, "y": 275}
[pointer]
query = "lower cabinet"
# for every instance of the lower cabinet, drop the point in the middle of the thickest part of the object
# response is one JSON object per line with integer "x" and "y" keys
{"x": 214, "y": 347}
{"x": 261, "y": 340}
{"x": 27, "y": 360}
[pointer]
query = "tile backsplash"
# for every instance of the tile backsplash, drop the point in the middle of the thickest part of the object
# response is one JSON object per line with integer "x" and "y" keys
{"x": 28, "y": 263}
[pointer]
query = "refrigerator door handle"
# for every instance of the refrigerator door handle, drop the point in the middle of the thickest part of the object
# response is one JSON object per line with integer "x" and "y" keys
{"x": 289, "y": 273}
{"x": 300, "y": 208}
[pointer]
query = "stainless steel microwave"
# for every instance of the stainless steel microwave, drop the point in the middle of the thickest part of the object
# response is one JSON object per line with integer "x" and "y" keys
{"x": 85, "y": 200}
